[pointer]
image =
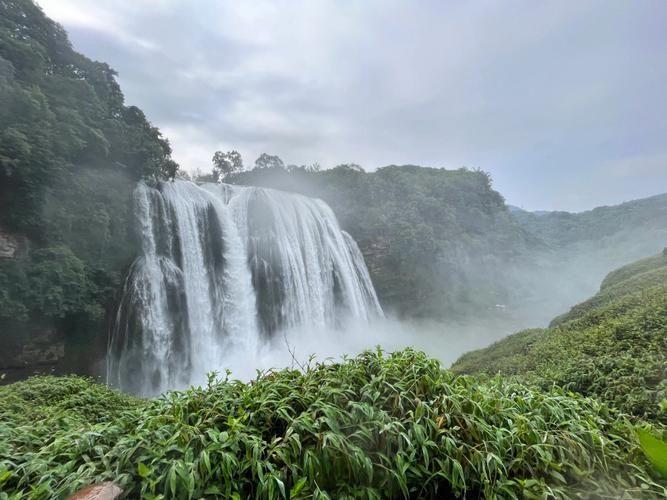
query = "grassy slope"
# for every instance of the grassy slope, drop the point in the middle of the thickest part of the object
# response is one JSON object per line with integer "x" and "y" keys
{"x": 371, "y": 427}
{"x": 613, "y": 346}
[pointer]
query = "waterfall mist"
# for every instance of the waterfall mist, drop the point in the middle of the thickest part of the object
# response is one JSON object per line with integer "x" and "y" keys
{"x": 225, "y": 272}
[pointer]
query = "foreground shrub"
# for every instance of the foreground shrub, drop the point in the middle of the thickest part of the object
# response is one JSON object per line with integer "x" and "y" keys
{"x": 372, "y": 427}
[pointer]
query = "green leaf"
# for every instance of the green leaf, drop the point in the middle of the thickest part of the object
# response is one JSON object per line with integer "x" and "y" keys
{"x": 4, "y": 476}
{"x": 655, "y": 450}
{"x": 297, "y": 487}
{"x": 172, "y": 481}
{"x": 142, "y": 470}
{"x": 213, "y": 490}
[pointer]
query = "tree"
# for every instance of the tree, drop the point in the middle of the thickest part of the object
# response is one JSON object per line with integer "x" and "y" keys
{"x": 351, "y": 166}
{"x": 70, "y": 155}
{"x": 269, "y": 161}
{"x": 226, "y": 163}
{"x": 200, "y": 176}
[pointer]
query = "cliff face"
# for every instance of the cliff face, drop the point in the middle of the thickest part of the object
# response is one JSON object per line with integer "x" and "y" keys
{"x": 26, "y": 349}
{"x": 36, "y": 348}
{"x": 11, "y": 245}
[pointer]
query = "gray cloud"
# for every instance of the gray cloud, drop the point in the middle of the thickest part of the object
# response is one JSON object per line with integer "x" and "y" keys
{"x": 563, "y": 102}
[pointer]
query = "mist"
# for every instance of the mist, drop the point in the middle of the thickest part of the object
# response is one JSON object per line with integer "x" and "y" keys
{"x": 301, "y": 347}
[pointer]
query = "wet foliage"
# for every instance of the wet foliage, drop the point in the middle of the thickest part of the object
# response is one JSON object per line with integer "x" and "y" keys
{"x": 376, "y": 426}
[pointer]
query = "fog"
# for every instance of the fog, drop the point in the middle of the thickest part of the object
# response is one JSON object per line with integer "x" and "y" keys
{"x": 300, "y": 347}
{"x": 551, "y": 281}
{"x": 548, "y": 283}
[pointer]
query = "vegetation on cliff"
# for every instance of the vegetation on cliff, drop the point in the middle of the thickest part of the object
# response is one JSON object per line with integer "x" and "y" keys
{"x": 443, "y": 244}
{"x": 376, "y": 426}
{"x": 437, "y": 242}
{"x": 560, "y": 229}
{"x": 70, "y": 153}
{"x": 613, "y": 346}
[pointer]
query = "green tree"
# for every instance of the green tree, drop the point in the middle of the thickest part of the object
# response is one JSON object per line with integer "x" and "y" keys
{"x": 269, "y": 161}
{"x": 71, "y": 152}
{"x": 226, "y": 163}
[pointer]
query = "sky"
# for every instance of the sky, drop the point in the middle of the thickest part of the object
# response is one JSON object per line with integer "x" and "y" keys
{"x": 564, "y": 102}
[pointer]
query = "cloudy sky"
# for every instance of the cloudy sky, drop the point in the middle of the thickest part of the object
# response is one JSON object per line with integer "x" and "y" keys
{"x": 564, "y": 102}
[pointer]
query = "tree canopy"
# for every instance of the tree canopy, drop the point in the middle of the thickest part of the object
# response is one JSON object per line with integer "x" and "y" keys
{"x": 269, "y": 161}
{"x": 60, "y": 111}
{"x": 71, "y": 153}
{"x": 226, "y": 163}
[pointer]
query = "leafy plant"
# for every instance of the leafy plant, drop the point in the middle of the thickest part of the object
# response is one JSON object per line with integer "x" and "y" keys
{"x": 655, "y": 449}
{"x": 376, "y": 426}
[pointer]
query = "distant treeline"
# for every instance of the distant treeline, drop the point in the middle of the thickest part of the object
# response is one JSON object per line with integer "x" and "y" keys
{"x": 443, "y": 243}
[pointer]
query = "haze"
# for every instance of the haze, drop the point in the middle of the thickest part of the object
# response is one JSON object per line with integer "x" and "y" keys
{"x": 562, "y": 102}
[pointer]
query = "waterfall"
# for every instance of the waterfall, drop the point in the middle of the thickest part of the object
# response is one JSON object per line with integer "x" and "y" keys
{"x": 223, "y": 270}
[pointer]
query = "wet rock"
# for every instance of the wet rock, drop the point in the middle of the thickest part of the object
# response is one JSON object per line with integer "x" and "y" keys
{"x": 45, "y": 348}
{"x": 9, "y": 245}
{"x": 100, "y": 491}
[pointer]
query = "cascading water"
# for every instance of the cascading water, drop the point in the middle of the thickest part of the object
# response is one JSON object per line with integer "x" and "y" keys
{"x": 224, "y": 268}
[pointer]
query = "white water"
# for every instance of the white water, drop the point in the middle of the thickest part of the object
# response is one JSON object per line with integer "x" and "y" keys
{"x": 224, "y": 271}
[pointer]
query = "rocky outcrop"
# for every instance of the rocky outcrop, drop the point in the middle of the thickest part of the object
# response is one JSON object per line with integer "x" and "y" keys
{"x": 43, "y": 349}
{"x": 35, "y": 347}
{"x": 11, "y": 246}
{"x": 100, "y": 491}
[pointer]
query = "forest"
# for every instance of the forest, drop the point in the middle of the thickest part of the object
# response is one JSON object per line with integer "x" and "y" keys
{"x": 117, "y": 262}
{"x": 70, "y": 154}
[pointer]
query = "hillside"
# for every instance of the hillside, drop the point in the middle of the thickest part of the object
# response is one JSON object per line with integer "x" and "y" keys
{"x": 613, "y": 346}
{"x": 437, "y": 242}
{"x": 560, "y": 229}
{"x": 71, "y": 152}
{"x": 376, "y": 426}
{"x": 443, "y": 244}
{"x": 576, "y": 250}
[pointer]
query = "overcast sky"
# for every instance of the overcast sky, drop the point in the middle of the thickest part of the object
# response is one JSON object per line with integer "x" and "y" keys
{"x": 564, "y": 102}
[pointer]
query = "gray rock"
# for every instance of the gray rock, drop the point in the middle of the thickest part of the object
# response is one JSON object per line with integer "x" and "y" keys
{"x": 9, "y": 245}
{"x": 100, "y": 491}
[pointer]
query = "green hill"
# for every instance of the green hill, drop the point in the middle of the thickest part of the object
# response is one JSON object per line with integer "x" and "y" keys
{"x": 637, "y": 277}
{"x": 443, "y": 244}
{"x": 613, "y": 346}
{"x": 560, "y": 229}
{"x": 437, "y": 242}
{"x": 377, "y": 426}
{"x": 575, "y": 251}
{"x": 71, "y": 152}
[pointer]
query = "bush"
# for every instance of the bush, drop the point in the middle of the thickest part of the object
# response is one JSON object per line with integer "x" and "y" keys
{"x": 371, "y": 427}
